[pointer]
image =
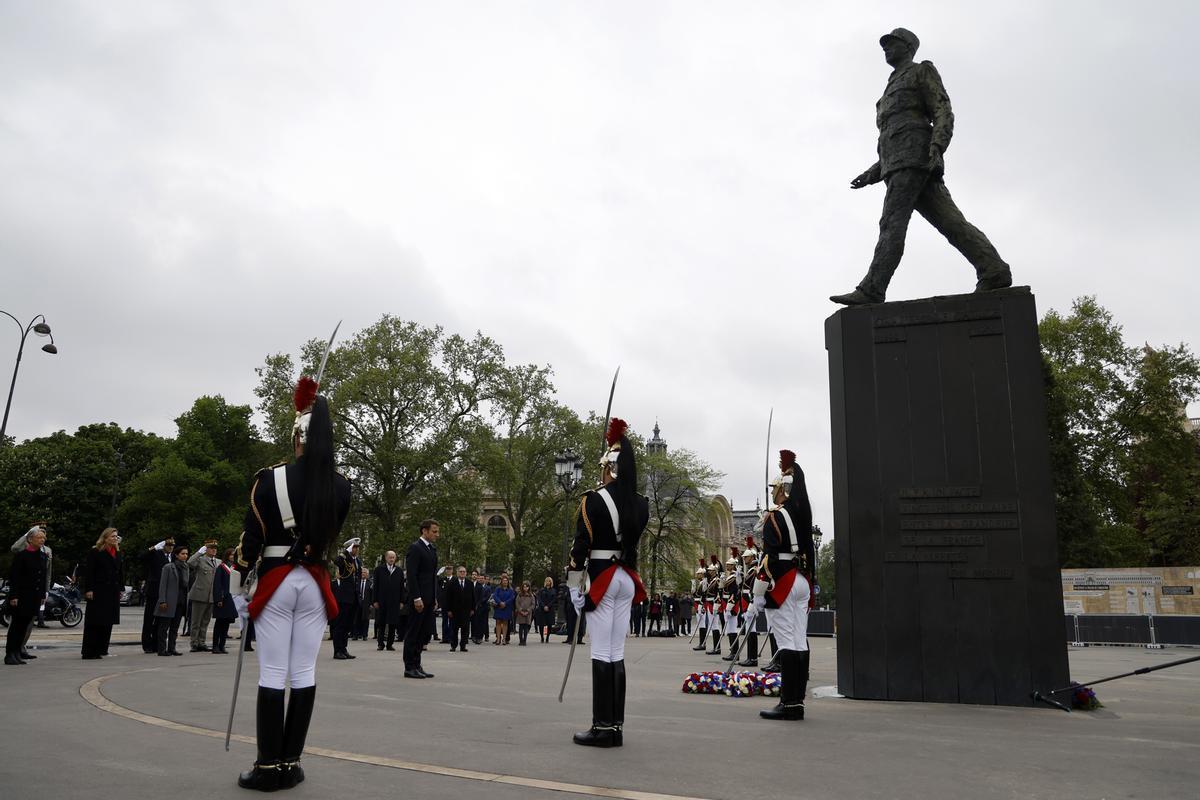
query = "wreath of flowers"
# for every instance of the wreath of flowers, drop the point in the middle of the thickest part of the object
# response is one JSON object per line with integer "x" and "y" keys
{"x": 735, "y": 684}
{"x": 1084, "y": 699}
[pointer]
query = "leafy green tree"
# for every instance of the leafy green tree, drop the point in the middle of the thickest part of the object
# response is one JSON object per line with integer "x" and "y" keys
{"x": 679, "y": 485}
{"x": 406, "y": 403}
{"x": 199, "y": 486}
{"x": 515, "y": 456}
{"x": 827, "y": 576}
{"x": 73, "y": 482}
{"x": 1124, "y": 468}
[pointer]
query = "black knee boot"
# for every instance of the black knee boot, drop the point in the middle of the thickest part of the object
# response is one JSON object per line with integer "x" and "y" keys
{"x": 295, "y": 729}
{"x": 795, "y": 685}
{"x": 618, "y": 702}
{"x": 751, "y": 651}
{"x": 732, "y": 641}
{"x": 602, "y": 732}
{"x": 716, "y": 645}
{"x": 703, "y": 638}
{"x": 265, "y": 775}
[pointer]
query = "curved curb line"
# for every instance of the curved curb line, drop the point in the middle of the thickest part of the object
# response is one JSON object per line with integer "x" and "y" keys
{"x": 91, "y": 692}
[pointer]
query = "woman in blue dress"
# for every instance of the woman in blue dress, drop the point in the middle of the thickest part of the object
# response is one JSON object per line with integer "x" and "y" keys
{"x": 502, "y": 603}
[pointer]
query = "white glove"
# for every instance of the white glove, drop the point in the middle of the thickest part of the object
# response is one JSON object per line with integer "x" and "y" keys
{"x": 758, "y": 604}
{"x": 576, "y": 599}
{"x": 243, "y": 607}
{"x": 161, "y": 545}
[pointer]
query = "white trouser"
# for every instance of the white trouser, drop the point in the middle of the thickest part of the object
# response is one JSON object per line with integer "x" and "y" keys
{"x": 289, "y": 632}
{"x": 789, "y": 623}
{"x": 731, "y": 621}
{"x": 608, "y": 624}
{"x": 705, "y": 618}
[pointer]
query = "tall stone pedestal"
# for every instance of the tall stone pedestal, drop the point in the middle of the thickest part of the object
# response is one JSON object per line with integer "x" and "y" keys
{"x": 947, "y": 567}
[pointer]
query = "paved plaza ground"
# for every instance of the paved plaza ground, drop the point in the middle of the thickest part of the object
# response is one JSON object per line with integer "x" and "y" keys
{"x": 137, "y": 726}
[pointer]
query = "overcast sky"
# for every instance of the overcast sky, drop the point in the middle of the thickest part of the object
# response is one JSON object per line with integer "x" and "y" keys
{"x": 188, "y": 187}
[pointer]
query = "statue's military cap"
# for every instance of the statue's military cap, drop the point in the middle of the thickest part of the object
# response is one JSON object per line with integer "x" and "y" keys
{"x": 904, "y": 35}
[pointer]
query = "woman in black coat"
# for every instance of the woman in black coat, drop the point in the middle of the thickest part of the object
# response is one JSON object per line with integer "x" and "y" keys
{"x": 102, "y": 582}
{"x": 543, "y": 612}
{"x": 224, "y": 612}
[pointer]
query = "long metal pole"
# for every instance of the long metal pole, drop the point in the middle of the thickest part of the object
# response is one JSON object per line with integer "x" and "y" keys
{"x": 12, "y": 386}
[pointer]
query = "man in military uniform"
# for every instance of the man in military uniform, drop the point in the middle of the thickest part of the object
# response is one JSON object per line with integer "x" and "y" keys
{"x": 345, "y": 588}
{"x": 915, "y": 125}
{"x": 203, "y": 566}
{"x": 731, "y": 583}
{"x": 699, "y": 587}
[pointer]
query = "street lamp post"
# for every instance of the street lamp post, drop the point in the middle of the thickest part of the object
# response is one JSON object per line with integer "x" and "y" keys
{"x": 41, "y": 329}
{"x": 568, "y": 469}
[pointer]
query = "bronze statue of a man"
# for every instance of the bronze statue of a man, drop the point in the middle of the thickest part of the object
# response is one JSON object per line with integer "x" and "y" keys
{"x": 915, "y": 125}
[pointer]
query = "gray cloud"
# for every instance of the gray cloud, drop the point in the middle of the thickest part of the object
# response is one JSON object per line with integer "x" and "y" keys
{"x": 664, "y": 186}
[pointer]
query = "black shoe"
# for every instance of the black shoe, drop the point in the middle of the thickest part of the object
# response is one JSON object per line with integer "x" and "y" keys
{"x": 464, "y": 649}
{"x": 195, "y": 649}
{"x": 596, "y": 737}
{"x": 164, "y": 653}
{"x": 91, "y": 658}
{"x": 28, "y": 656}
{"x": 12, "y": 660}
{"x": 379, "y": 648}
{"x": 783, "y": 711}
{"x": 424, "y": 674}
{"x": 264, "y": 776}
{"x": 749, "y": 662}
{"x": 341, "y": 655}
{"x": 249, "y": 648}
{"x": 220, "y": 651}
{"x": 856, "y": 298}
{"x": 176, "y": 653}
{"x": 703, "y": 637}
{"x": 413, "y": 673}
{"x": 389, "y": 647}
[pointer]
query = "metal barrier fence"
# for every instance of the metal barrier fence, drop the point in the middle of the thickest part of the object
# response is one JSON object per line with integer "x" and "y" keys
{"x": 1132, "y": 629}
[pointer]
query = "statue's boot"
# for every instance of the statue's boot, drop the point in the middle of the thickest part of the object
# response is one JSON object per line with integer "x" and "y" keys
{"x": 856, "y": 298}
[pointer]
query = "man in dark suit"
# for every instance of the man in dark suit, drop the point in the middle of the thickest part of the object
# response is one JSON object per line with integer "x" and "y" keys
{"x": 154, "y": 560}
{"x": 420, "y": 567}
{"x": 460, "y": 605}
{"x": 389, "y": 597}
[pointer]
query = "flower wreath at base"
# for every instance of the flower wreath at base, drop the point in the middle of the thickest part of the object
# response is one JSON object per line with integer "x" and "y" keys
{"x": 735, "y": 684}
{"x": 1084, "y": 699}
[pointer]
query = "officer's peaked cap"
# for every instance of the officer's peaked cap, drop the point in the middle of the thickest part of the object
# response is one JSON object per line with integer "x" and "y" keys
{"x": 904, "y": 35}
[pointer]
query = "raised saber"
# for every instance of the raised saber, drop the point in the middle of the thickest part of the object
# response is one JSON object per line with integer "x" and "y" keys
{"x": 579, "y": 615}
{"x": 767, "y": 465}
{"x": 325, "y": 357}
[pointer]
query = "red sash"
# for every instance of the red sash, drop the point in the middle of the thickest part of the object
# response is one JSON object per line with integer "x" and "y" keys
{"x": 708, "y": 606}
{"x": 783, "y": 586}
{"x": 600, "y": 585}
{"x": 268, "y": 583}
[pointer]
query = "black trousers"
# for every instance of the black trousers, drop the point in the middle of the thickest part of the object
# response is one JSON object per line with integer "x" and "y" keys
{"x": 387, "y": 634}
{"x": 18, "y": 626}
{"x": 420, "y": 629}
{"x": 149, "y": 626}
{"x": 523, "y": 632}
{"x": 460, "y": 631}
{"x": 342, "y": 623}
{"x": 220, "y": 633}
{"x": 168, "y": 632}
{"x": 95, "y": 639}
{"x": 479, "y": 627}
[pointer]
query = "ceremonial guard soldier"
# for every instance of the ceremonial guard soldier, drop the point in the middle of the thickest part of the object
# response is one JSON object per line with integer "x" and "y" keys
{"x": 716, "y": 604}
{"x": 699, "y": 588}
{"x": 602, "y": 579}
{"x": 784, "y": 583}
{"x": 296, "y": 512}
{"x": 731, "y": 583}
{"x": 347, "y": 571}
{"x": 758, "y": 623}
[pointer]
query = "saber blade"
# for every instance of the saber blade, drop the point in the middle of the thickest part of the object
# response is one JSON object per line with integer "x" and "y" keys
{"x": 767, "y": 465}
{"x": 325, "y": 357}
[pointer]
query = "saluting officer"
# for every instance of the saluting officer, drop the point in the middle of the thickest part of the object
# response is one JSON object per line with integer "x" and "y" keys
{"x": 347, "y": 571}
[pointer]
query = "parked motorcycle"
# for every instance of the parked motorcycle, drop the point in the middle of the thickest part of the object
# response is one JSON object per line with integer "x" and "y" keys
{"x": 62, "y": 604}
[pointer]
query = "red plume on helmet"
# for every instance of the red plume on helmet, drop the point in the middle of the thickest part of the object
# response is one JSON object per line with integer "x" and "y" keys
{"x": 714, "y": 560}
{"x": 702, "y": 563}
{"x": 749, "y": 542}
{"x": 734, "y": 552}
{"x": 616, "y": 429}
{"x": 305, "y": 394}
{"x": 787, "y": 460}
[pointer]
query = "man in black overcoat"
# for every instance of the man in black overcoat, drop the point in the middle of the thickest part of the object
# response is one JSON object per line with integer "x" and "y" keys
{"x": 420, "y": 565}
{"x": 154, "y": 560}
{"x": 389, "y": 599}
